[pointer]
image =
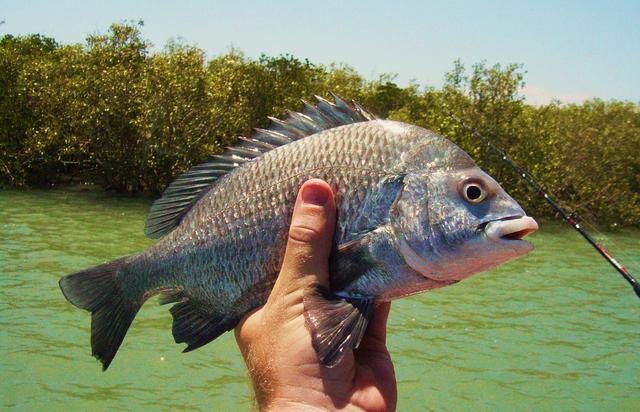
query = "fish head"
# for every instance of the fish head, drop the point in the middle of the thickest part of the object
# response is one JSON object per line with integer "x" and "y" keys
{"x": 458, "y": 222}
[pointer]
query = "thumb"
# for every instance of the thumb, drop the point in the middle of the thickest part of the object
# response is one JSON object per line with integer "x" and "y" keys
{"x": 306, "y": 259}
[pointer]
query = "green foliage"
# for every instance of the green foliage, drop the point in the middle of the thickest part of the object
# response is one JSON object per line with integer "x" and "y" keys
{"x": 19, "y": 58}
{"x": 112, "y": 113}
{"x": 176, "y": 123}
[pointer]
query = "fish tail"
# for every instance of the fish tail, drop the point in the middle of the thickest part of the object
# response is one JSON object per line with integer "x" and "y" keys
{"x": 98, "y": 290}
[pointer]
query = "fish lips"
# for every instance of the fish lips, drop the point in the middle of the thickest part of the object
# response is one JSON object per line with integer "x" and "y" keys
{"x": 511, "y": 229}
{"x": 507, "y": 232}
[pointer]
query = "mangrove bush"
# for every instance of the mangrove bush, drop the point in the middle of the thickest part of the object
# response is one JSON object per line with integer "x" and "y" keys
{"x": 112, "y": 113}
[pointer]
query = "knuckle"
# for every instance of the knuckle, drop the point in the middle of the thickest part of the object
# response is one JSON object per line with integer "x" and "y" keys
{"x": 308, "y": 225}
{"x": 304, "y": 234}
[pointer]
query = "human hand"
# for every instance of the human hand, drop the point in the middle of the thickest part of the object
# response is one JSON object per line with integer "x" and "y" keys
{"x": 276, "y": 345}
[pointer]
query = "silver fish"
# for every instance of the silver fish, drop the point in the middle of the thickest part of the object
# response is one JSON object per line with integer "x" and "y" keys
{"x": 414, "y": 213}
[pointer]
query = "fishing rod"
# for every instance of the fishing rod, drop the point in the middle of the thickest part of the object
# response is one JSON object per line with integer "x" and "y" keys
{"x": 570, "y": 218}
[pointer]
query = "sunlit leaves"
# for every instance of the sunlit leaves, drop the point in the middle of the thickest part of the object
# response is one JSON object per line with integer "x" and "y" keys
{"x": 113, "y": 113}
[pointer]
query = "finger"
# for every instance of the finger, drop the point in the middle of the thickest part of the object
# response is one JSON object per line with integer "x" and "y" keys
{"x": 310, "y": 236}
{"x": 378, "y": 327}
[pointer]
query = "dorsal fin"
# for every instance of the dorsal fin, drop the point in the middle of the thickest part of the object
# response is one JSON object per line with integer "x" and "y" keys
{"x": 180, "y": 196}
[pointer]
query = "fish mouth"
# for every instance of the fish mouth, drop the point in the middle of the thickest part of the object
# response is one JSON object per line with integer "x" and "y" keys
{"x": 511, "y": 228}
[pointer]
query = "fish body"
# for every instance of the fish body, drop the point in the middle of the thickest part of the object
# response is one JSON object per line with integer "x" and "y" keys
{"x": 414, "y": 213}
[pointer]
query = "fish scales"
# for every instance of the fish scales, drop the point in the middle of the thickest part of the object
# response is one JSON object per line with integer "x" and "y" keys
{"x": 250, "y": 210}
{"x": 413, "y": 213}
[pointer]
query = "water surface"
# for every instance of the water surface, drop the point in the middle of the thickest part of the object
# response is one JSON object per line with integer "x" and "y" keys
{"x": 556, "y": 330}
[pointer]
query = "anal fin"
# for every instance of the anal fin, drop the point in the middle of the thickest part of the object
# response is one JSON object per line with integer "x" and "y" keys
{"x": 336, "y": 323}
{"x": 195, "y": 328}
{"x": 172, "y": 296}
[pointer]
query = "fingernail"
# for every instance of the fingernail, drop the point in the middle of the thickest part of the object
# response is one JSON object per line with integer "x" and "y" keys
{"x": 313, "y": 195}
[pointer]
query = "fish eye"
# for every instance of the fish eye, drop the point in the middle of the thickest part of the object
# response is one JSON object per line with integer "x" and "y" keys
{"x": 474, "y": 193}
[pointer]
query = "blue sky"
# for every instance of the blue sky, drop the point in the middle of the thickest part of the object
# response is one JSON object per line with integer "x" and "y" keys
{"x": 571, "y": 50}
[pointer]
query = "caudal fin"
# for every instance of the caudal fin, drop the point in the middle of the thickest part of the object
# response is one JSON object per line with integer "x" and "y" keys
{"x": 97, "y": 290}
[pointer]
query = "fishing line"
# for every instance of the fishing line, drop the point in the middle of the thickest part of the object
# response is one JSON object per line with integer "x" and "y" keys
{"x": 570, "y": 218}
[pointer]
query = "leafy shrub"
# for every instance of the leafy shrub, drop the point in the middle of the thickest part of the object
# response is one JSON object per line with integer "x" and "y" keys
{"x": 112, "y": 113}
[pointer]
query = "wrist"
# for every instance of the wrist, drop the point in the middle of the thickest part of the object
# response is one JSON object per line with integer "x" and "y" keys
{"x": 296, "y": 398}
{"x": 284, "y": 405}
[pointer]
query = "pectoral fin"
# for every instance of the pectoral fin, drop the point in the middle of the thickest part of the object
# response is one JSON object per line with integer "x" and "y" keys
{"x": 336, "y": 323}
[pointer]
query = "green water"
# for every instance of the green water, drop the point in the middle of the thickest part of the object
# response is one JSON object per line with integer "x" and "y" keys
{"x": 556, "y": 330}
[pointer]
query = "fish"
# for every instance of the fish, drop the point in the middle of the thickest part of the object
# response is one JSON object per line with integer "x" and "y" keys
{"x": 414, "y": 213}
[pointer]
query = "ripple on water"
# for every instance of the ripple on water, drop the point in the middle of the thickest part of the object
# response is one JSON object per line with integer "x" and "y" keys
{"x": 556, "y": 330}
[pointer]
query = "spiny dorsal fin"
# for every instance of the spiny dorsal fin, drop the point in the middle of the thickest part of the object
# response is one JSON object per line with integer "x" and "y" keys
{"x": 180, "y": 196}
